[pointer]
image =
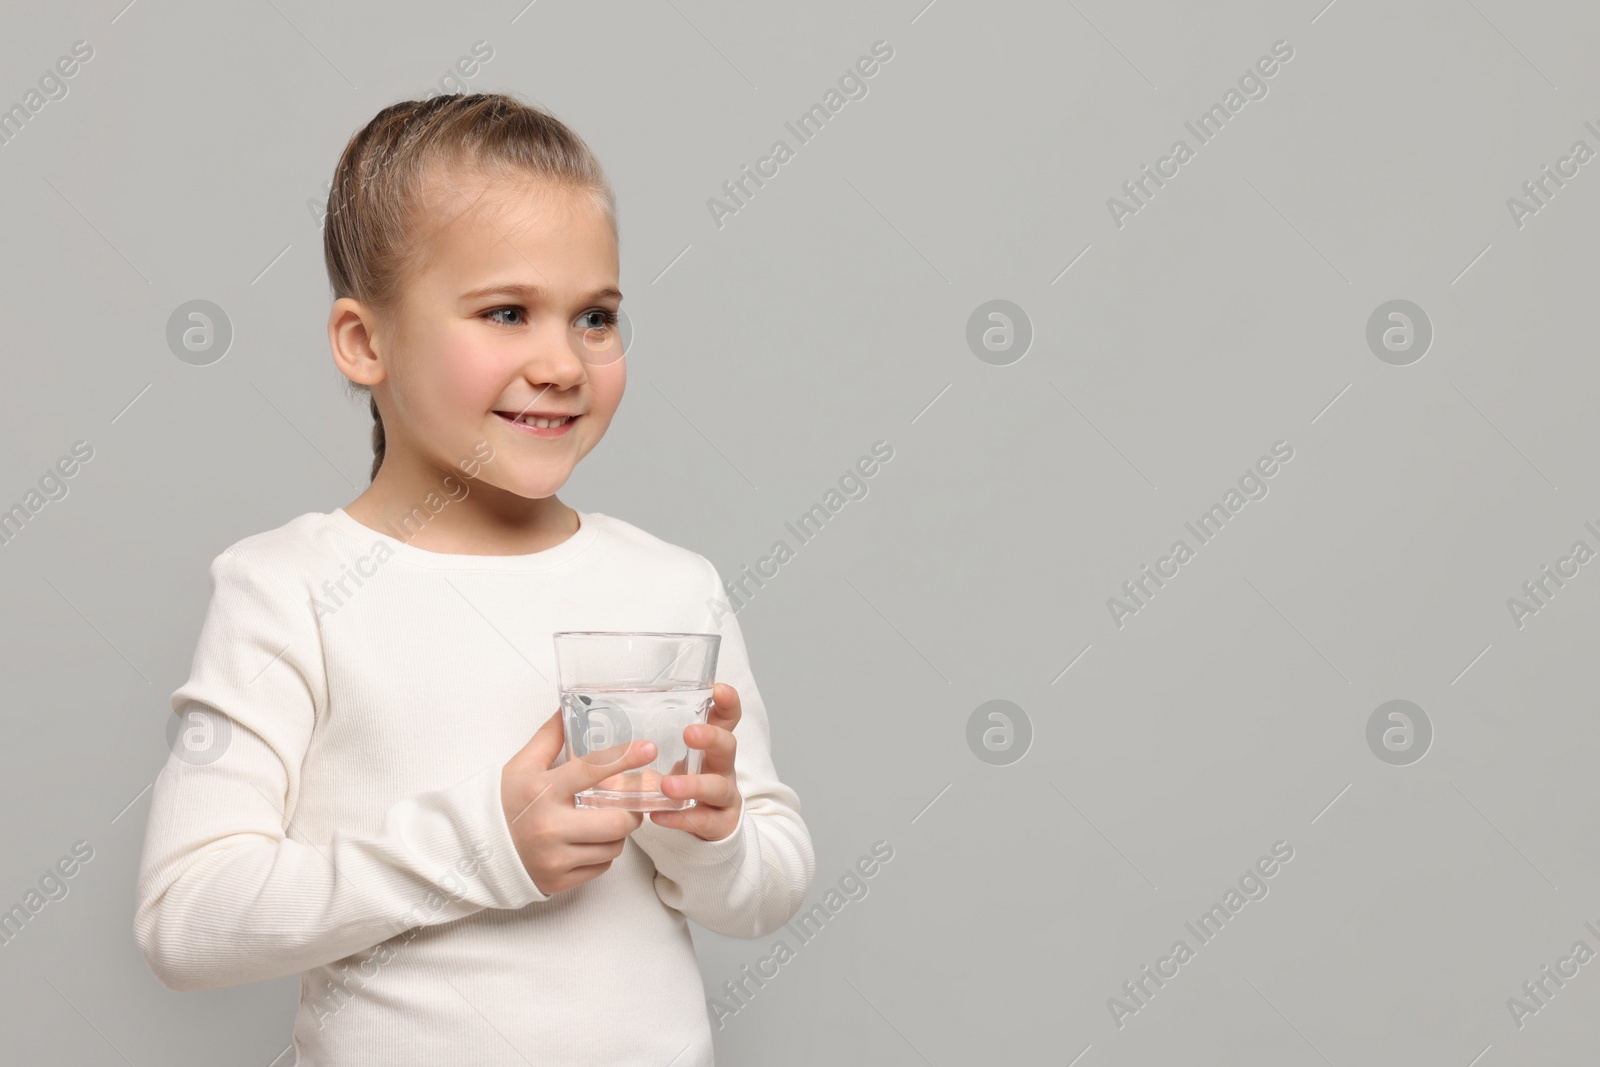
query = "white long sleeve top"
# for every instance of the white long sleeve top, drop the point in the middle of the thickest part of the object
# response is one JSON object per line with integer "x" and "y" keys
{"x": 332, "y": 806}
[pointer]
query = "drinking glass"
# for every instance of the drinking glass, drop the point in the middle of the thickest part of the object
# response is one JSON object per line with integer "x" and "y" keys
{"x": 621, "y": 686}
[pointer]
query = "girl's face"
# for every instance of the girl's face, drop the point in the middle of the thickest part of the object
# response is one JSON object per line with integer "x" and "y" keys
{"x": 510, "y": 312}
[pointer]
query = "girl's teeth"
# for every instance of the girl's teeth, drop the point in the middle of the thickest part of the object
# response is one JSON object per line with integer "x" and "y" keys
{"x": 545, "y": 423}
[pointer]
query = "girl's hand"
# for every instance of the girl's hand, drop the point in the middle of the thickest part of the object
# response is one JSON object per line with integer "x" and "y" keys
{"x": 560, "y": 844}
{"x": 719, "y": 802}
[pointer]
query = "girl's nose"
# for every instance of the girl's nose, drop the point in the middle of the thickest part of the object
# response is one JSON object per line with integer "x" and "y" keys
{"x": 558, "y": 361}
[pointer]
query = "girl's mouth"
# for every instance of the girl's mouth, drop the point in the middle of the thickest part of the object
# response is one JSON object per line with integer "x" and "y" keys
{"x": 528, "y": 424}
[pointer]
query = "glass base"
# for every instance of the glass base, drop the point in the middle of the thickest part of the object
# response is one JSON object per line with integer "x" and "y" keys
{"x": 626, "y": 801}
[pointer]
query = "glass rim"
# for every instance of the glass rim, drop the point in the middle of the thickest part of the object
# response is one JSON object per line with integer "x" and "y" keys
{"x": 630, "y": 633}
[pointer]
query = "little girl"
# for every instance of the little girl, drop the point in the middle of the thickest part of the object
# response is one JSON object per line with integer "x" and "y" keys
{"x": 353, "y": 794}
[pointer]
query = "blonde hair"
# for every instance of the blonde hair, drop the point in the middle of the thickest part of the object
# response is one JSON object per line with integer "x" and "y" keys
{"x": 380, "y": 187}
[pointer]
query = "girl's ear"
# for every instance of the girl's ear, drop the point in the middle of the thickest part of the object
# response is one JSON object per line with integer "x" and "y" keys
{"x": 350, "y": 336}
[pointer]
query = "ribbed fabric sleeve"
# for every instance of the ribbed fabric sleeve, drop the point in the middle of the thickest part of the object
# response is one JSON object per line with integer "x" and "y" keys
{"x": 225, "y": 896}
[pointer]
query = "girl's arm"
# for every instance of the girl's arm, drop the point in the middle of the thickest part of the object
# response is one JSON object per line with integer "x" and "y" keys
{"x": 754, "y": 880}
{"x": 224, "y": 894}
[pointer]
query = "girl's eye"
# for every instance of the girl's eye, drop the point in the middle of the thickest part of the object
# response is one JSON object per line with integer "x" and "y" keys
{"x": 587, "y": 321}
{"x": 495, "y": 311}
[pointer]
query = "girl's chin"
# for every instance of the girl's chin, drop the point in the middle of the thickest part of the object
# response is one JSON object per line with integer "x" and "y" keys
{"x": 532, "y": 486}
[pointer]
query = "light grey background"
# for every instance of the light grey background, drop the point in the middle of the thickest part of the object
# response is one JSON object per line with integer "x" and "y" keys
{"x": 771, "y": 353}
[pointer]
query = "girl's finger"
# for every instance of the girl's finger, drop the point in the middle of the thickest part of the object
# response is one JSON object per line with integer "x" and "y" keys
{"x": 725, "y": 708}
{"x": 716, "y": 790}
{"x": 710, "y": 824}
{"x": 718, "y": 744}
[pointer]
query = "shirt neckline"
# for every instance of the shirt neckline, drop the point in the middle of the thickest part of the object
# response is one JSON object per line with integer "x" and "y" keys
{"x": 589, "y": 523}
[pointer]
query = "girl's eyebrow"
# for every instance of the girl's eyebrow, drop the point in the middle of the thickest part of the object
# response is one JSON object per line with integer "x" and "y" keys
{"x": 530, "y": 293}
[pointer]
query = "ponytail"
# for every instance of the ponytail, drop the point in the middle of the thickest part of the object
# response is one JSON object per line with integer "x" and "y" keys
{"x": 377, "y": 439}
